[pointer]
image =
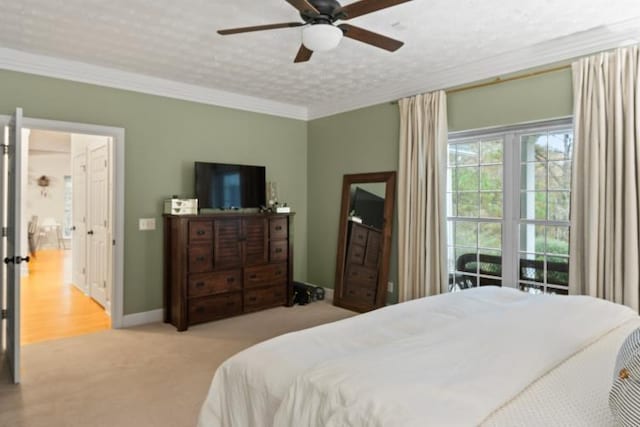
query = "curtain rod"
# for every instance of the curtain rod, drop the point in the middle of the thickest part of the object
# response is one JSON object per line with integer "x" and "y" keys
{"x": 500, "y": 80}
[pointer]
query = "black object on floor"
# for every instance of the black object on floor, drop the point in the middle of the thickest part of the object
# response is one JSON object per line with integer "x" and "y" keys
{"x": 304, "y": 293}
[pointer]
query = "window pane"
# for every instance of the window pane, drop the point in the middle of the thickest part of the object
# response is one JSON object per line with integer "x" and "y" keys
{"x": 557, "y": 240}
{"x": 491, "y": 205}
{"x": 533, "y": 205}
{"x": 490, "y": 263}
{"x": 560, "y": 145}
{"x": 491, "y": 177}
{"x": 468, "y": 204}
{"x": 560, "y": 175}
{"x": 532, "y": 267}
{"x": 532, "y": 238}
{"x": 465, "y": 281}
{"x": 467, "y": 153}
{"x": 559, "y": 202}
{"x": 466, "y": 234}
{"x": 490, "y": 235}
{"x": 558, "y": 270}
{"x": 466, "y": 260}
{"x": 533, "y": 176}
{"x": 491, "y": 152}
{"x": 467, "y": 179}
{"x": 532, "y": 289}
{"x": 534, "y": 147}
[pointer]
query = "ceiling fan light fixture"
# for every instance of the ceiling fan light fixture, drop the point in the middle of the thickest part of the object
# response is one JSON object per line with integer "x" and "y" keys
{"x": 321, "y": 37}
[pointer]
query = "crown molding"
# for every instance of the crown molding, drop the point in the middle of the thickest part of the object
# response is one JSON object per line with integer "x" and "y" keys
{"x": 553, "y": 51}
{"x": 42, "y": 65}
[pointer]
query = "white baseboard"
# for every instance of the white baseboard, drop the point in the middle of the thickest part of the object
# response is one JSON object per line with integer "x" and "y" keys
{"x": 137, "y": 319}
{"x": 328, "y": 294}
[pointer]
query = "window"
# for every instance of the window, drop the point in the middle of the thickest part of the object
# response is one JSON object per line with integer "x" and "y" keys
{"x": 508, "y": 197}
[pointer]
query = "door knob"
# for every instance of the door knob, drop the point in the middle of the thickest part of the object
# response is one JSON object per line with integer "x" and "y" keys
{"x": 90, "y": 232}
{"x": 73, "y": 228}
{"x": 16, "y": 260}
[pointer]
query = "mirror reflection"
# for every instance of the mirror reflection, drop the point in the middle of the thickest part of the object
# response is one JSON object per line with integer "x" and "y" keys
{"x": 364, "y": 240}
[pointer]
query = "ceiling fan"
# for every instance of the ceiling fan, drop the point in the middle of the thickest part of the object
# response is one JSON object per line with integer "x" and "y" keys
{"x": 320, "y": 32}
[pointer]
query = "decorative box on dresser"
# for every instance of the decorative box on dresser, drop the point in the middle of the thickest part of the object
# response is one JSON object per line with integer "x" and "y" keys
{"x": 222, "y": 265}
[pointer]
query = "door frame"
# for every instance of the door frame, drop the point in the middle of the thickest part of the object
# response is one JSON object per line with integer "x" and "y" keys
{"x": 117, "y": 209}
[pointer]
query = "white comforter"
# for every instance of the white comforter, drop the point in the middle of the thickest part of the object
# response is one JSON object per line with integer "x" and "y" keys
{"x": 453, "y": 359}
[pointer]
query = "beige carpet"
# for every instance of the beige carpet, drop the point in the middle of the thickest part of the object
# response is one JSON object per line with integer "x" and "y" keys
{"x": 145, "y": 376}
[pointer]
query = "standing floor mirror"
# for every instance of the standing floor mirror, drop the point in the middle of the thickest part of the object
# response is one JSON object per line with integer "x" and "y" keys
{"x": 364, "y": 240}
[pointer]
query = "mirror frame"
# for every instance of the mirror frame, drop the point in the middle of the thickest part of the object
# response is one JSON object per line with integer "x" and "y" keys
{"x": 389, "y": 178}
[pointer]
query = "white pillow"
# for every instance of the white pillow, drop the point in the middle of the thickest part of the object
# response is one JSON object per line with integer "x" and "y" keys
{"x": 624, "y": 398}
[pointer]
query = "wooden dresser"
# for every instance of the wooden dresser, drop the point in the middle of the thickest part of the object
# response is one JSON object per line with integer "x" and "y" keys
{"x": 221, "y": 265}
{"x": 362, "y": 265}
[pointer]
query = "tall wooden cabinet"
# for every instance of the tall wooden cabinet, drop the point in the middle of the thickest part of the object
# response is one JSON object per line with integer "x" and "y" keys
{"x": 221, "y": 265}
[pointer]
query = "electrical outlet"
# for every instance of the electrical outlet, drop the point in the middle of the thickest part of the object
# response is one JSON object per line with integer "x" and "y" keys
{"x": 390, "y": 287}
{"x": 146, "y": 224}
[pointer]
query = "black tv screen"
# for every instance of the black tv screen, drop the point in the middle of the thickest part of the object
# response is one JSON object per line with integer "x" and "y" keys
{"x": 369, "y": 207}
{"x": 226, "y": 186}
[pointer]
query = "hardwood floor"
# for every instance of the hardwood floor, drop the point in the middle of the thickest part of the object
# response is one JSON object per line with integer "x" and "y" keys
{"x": 51, "y": 307}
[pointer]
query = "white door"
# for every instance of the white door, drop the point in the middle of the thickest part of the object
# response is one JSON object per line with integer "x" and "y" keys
{"x": 12, "y": 252}
{"x": 79, "y": 228}
{"x": 98, "y": 225}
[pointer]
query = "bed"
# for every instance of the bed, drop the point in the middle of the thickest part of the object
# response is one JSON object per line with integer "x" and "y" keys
{"x": 485, "y": 356}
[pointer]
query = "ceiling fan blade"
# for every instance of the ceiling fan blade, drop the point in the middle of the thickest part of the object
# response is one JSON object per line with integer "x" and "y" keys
{"x": 369, "y": 37}
{"x": 260, "y": 28}
{"x": 303, "y": 6}
{"x": 303, "y": 55}
{"x": 363, "y": 7}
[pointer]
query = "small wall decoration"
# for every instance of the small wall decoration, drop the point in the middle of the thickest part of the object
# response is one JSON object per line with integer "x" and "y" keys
{"x": 43, "y": 183}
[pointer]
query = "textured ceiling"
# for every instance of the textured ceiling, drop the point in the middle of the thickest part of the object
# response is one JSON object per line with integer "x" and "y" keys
{"x": 176, "y": 40}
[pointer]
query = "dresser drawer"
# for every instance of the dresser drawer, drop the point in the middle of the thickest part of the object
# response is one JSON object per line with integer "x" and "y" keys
{"x": 214, "y": 283}
{"x": 356, "y": 254}
{"x": 358, "y": 235}
{"x": 214, "y": 307}
{"x": 278, "y": 251}
{"x": 278, "y": 229}
{"x": 265, "y": 275}
{"x": 200, "y": 258}
{"x": 359, "y": 295}
{"x": 200, "y": 231}
{"x": 367, "y": 277}
{"x": 257, "y": 299}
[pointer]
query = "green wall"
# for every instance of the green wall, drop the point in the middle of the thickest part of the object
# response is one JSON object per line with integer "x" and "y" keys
{"x": 163, "y": 138}
{"x": 366, "y": 140}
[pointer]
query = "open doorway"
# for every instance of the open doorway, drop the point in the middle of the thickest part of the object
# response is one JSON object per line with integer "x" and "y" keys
{"x": 68, "y": 227}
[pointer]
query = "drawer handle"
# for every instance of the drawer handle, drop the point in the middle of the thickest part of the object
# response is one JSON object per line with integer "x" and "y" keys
{"x": 368, "y": 294}
{"x": 278, "y": 272}
{"x": 231, "y": 303}
{"x": 370, "y": 277}
{"x": 351, "y": 292}
{"x": 278, "y": 250}
{"x": 199, "y": 284}
{"x": 200, "y": 232}
{"x": 200, "y": 259}
{"x": 277, "y": 294}
{"x": 200, "y": 310}
{"x": 253, "y": 299}
{"x": 253, "y": 276}
{"x": 231, "y": 279}
{"x": 278, "y": 227}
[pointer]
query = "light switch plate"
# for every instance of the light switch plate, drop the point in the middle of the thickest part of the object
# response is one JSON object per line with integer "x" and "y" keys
{"x": 390, "y": 287}
{"x": 146, "y": 224}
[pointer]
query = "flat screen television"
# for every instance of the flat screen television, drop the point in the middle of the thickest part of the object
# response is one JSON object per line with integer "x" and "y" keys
{"x": 369, "y": 207}
{"x": 227, "y": 186}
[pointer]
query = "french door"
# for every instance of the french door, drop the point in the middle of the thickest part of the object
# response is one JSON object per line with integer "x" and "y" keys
{"x": 12, "y": 254}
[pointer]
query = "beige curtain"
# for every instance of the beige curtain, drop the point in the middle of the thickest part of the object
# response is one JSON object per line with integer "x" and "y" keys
{"x": 422, "y": 264}
{"x": 605, "y": 222}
